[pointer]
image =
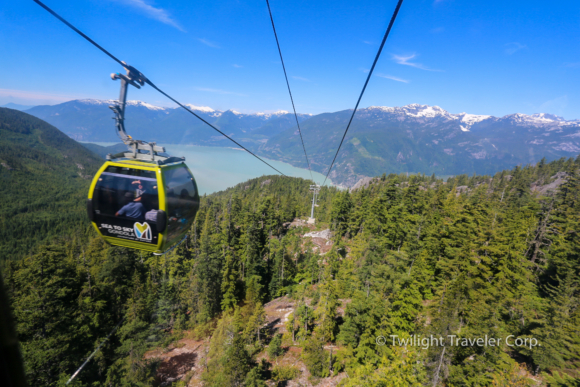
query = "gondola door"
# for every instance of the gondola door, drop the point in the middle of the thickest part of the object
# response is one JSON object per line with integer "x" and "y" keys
{"x": 180, "y": 202}
{"x": 124, "y": 205}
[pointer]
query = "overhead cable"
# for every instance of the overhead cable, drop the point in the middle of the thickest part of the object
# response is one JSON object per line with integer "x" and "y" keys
{"x": 366, "y": 83}
{"x": 93, "y": 354}
{"x": 150, "y": 83}
{"x": 289, "y": 91}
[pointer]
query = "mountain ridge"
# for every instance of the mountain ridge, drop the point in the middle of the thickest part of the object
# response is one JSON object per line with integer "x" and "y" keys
{"x": 44, "y": 180}
{"x": 420, "y": 138}
{"x": 422, "y": 110}
{"x": 413, "y": 138}
{"x": 90, "y": 120}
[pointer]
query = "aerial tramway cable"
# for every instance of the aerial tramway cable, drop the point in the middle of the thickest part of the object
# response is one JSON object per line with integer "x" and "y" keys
{"x": 289, "y": 91}
{"x": 93, "y": 354}
{"x": 149, "y": 82}
{"x": 366, "y": 83}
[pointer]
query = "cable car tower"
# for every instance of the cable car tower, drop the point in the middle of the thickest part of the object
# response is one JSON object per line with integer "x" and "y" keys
{"x": 315, "y": 189}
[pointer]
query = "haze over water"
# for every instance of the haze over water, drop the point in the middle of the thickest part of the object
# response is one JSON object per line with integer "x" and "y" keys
{"x": 216, "y": 168}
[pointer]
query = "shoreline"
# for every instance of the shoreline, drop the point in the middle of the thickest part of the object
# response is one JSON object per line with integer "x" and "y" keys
{"x": 168, "y": 146}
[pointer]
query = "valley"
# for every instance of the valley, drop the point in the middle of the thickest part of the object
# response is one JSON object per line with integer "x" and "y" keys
{"x": 310, "y": 194}
{"x": 257, "y": 296}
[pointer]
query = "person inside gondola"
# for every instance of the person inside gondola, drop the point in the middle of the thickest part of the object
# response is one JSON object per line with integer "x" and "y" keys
{"x": 143, "y": 189}
{"x": 140, "y": 191}
{"x": 151, "y": 215}
{"x": 134, "y": 209}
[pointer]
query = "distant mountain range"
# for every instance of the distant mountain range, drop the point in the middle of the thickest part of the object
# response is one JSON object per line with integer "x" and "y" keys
{"x": 91, "y": 120}
{"x": 413, "y": 138}
{"x": 427, "y": 139}
{"x": 16, "y": 106}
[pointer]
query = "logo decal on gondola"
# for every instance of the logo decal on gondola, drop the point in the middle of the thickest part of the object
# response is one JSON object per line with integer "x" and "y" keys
{"x": 142, "y": 230}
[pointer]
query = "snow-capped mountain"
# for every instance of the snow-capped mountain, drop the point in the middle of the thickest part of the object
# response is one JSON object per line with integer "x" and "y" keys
{"x": 543, "y": 120}
{"x": 411, "y": 138}
{"x": 110, "y": 102}
{"x": 427, "y": 139}
{"x": 90, "y": 120}
{"x": 429, "y": 115}
{"x": 466, "y": 120}
{"x": 205, "y": 109}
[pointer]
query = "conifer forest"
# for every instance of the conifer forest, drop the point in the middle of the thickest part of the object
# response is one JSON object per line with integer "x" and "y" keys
{"x": 255, "y": 296}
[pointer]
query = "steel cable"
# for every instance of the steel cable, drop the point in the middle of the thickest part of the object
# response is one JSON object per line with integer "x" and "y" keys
{"x": 289, "y": 91}
{"x": 150, "y": 83}
{"x": 366, "y": 83}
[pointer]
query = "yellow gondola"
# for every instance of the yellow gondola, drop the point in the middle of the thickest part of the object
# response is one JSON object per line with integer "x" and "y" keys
{"x": 142, "y": 205}
{"x": 141, "y": 199}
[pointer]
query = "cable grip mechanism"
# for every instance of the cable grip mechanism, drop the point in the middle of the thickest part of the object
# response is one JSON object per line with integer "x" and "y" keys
{"x": 138, "y": 150}
{"x": 135, "y": 78}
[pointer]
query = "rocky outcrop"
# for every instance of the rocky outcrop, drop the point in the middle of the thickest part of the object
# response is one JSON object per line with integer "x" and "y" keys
{"x": 558, "y": 179}
{"x": 364, "y": 182}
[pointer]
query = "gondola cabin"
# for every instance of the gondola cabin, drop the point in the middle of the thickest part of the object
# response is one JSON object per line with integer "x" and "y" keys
{"x": 143, "y": 205}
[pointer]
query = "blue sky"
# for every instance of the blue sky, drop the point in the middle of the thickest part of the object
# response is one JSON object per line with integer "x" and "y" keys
{"x": 481, "y": 57}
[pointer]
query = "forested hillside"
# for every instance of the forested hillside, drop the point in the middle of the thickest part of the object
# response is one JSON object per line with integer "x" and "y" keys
{"x": 472, "y": 256}
{"x": 44, "y": 180}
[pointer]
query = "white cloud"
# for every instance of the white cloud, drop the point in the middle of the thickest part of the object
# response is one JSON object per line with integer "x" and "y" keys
{"x": 300, "y": 78}
{"x": 513, "y": 47}
{"x": 393, "y": 78}
{"x": 158, "y": 14}
{"x": 237, "y": 66}
{"x": 208, "y": 43}
{"x": 404, "y": 60}
{"x": 218, "y": 91}
{"x": 367, "y": 42}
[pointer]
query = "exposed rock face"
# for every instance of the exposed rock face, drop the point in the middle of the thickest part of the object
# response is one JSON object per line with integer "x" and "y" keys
{"x": 298, "y": 223}
{"x": 322, "y": 240}
{"x": 185, "y": 357}
{"x": 461, "y": 189}
{"x": 277, "y": 312}
{"x": 364, "y": 182}
{"x": 324, "y": 234}
{"x": 559, "y": 179}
